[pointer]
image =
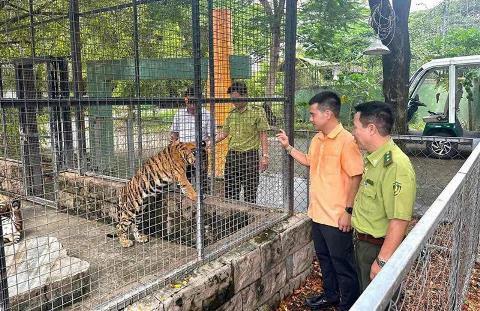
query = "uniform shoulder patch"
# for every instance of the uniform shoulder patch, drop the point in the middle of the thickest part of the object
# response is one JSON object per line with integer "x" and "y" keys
{"x": 397, "y": 187}
{"x": 387, "y": 158}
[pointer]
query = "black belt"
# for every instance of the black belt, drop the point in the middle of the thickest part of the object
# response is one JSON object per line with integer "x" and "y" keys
{"x": 369, "y": 238}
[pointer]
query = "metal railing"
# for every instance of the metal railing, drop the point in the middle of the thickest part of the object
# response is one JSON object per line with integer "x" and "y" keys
{"x": 432, "y": 267}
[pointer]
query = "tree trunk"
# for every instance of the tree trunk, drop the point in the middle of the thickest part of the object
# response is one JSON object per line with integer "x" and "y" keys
{"x": 274, "y": 60}
{"x": 396, "y": 65}
{"x": 274, "y": 12}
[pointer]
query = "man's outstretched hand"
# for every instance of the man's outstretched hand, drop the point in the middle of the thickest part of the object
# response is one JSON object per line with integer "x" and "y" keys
{"x": 283, "y": 138}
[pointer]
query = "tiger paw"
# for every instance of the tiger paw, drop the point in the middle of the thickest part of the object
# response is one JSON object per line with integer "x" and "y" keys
{"x": 125, "y": 242}
{"x": 141, "y": 238}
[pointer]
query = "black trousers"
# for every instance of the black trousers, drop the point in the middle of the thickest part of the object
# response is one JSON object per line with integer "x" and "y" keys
{"x": 190, "y": 170}
{"x": 241, "y": 170}
{"x": 334, "y": 250}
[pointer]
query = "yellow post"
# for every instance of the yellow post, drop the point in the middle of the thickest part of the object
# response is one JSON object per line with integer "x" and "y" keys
{"x": 222, "y": 47}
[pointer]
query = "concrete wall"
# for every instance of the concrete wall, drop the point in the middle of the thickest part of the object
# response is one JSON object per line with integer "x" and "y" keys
{"x": 257, "y": 275}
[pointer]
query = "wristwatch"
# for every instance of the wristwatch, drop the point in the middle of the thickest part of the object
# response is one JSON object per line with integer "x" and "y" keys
{"x": 349, "y": 210}
{"x": 380, "y": 262}
{"x": 289, "y": 149}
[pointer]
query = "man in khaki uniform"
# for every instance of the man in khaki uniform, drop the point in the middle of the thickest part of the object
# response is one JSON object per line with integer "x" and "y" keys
{"x": 246, "y": 126}
{"x": 383, "y": 206}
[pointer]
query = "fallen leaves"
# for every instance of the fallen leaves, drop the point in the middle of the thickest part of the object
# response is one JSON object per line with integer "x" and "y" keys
{"x": 312, "y": 286}
{"x": 417, "y": 294}
{"x": 472, "y": 299}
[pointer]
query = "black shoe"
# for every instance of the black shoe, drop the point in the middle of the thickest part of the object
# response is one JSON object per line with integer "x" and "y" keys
{"x": 320, "y": 302}
{"x": 314, "y": 299}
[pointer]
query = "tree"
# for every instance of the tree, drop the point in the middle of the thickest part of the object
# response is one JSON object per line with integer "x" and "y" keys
{"x": 333, "y": 30}
{"x": 396, "y": 65}
{"x": 460, "y": 38}
{"x": 275, "y": 11}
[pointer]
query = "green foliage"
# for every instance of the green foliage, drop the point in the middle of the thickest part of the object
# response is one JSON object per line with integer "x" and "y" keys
{"x": 445, "y": 31}
{"x": 470, "y": 77}
{"x": 251, "y": 32}
{"x": 353, "y": 89}
{"x": 333, "y": 30}
{"x": 338, "y": 31}
{"x": 457, "y": 42}
{"x": 11, "y": 132}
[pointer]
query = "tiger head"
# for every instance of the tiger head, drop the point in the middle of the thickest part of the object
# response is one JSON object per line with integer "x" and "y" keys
{"x": 186, "y": 151}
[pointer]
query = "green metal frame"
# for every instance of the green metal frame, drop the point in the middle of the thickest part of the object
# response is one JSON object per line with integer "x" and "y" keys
{"x": 161, "y": 69}
{"x": 100, "y": 77}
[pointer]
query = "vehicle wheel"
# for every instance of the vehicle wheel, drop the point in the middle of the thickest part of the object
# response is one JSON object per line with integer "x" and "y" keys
{"x": 442, "y": 149}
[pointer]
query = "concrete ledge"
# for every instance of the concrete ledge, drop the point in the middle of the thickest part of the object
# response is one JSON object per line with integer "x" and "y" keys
{"x": 254, "y": 276}
{"x": 166, "y": 216}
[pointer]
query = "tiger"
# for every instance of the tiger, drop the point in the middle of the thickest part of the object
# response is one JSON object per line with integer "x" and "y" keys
{"x": 12, "y": 220}
{"x": 166, "y": 167}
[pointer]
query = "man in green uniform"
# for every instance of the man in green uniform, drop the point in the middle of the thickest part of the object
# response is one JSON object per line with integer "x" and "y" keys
{"x": 383, "y": 205}
{"x": 247, "y": 127}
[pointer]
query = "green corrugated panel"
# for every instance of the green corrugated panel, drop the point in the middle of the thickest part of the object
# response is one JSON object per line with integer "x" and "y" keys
{"x": 101, "y": 145}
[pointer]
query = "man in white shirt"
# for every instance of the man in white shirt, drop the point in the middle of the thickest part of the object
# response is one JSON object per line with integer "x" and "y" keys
{"x": 183, "y": 129}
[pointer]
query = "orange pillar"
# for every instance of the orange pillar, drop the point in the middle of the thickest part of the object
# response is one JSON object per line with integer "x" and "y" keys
{"x": 223, "y": 48}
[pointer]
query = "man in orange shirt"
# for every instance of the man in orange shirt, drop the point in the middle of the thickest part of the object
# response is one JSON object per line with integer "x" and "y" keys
{"x": 336, "y": 167}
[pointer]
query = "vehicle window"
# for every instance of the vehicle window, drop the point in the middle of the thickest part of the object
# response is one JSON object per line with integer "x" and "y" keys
{"x": 432, "y": 91}
{"x": 468, "y": 97}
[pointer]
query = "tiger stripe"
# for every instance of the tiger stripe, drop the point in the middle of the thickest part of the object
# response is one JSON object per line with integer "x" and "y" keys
{"x": 166, "y": 167}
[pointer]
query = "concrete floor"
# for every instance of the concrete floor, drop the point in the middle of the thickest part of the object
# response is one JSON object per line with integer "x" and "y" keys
{"x": 115, "y": 270}
{"x": 111, "y": 266}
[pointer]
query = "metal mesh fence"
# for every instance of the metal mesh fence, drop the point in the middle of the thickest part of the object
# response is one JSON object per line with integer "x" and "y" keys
{"x": 431, "y": 269}
{"x": 90, "y": 91}
{"x": 100, "y": 103}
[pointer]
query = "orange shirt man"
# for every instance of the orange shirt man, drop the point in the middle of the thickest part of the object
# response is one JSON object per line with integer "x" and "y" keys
{"x": 336, "y": 166}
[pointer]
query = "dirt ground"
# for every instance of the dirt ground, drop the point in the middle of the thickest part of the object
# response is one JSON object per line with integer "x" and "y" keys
{"x": 313, "y": 286}
{"x": 472, "y": 299}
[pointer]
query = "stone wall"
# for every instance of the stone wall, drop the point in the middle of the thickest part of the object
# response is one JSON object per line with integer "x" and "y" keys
{"x": 92, "y": 197}
{"x": 166, "y": 216}
{"x": 257, "y": 275}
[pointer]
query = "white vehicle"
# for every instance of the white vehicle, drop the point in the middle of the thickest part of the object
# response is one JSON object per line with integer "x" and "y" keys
{"x": 434, "y": 109}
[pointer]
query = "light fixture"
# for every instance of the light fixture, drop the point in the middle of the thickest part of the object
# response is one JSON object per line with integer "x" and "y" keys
{"x": 383, "y": 21}
{"x": 376, "y": 47}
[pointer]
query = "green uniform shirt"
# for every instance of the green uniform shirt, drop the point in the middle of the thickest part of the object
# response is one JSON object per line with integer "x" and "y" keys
{"x": 244, "y": 128}
{"x": 387, "y": 191}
